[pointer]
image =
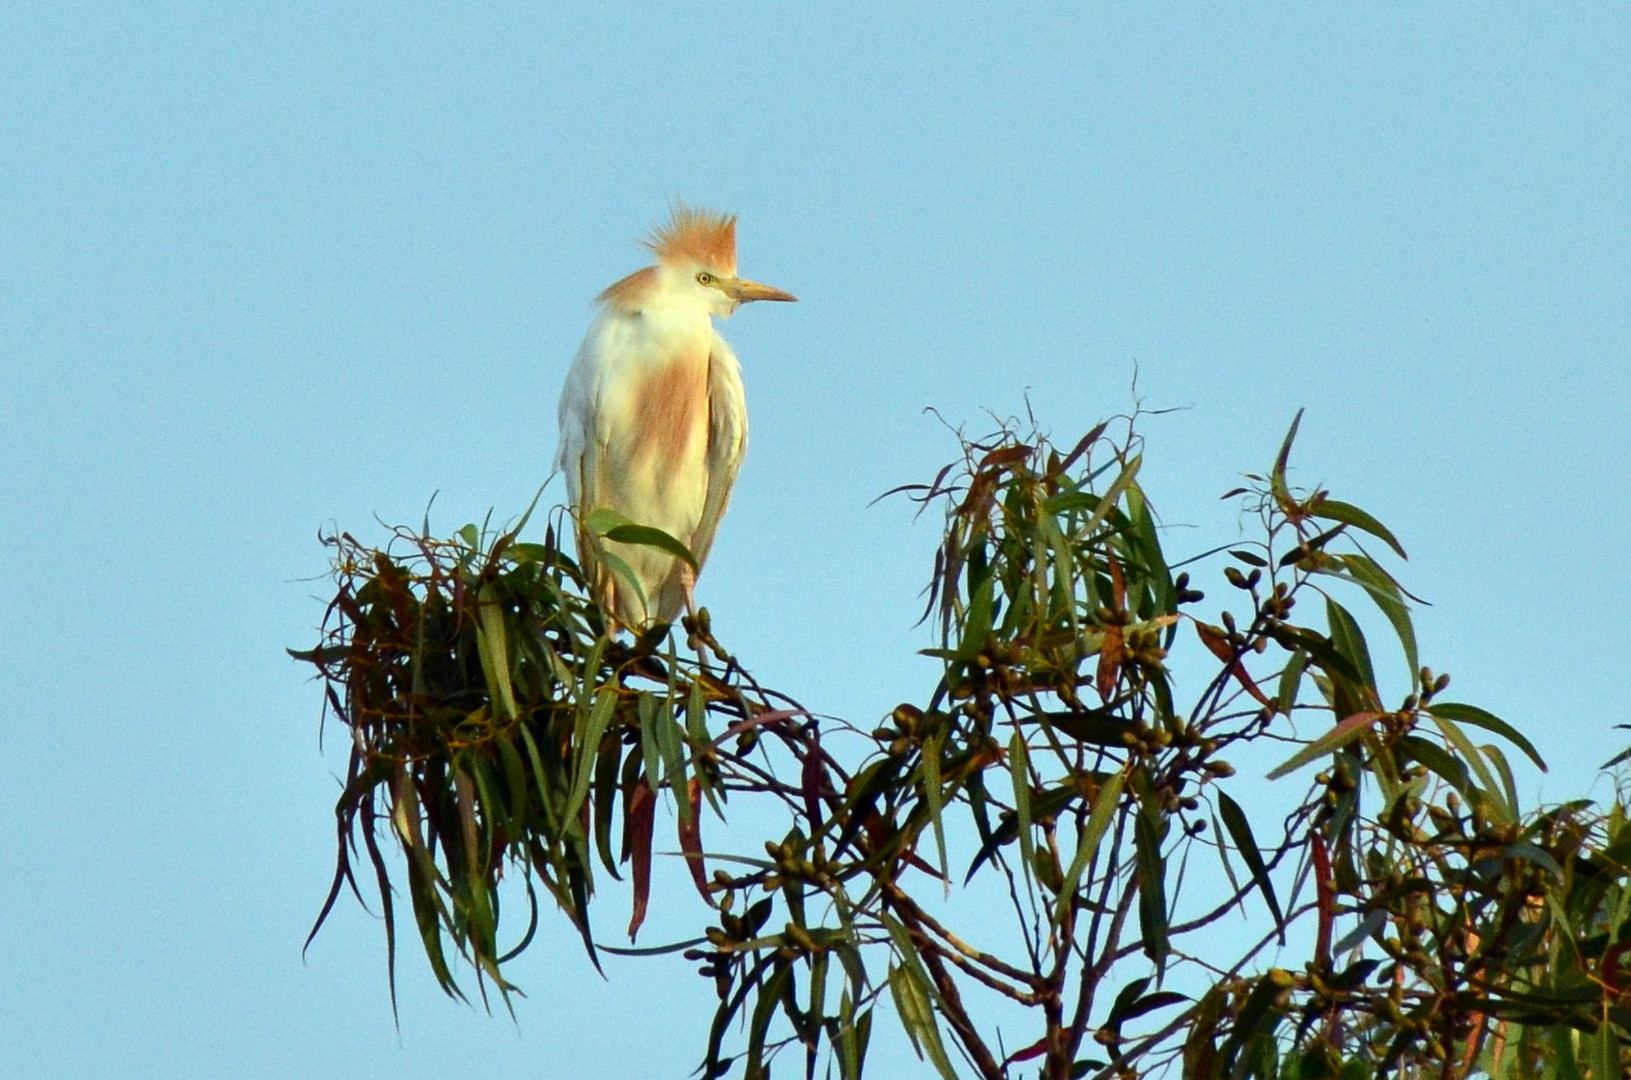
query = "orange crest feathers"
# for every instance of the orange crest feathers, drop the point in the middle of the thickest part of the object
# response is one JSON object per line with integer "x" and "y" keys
{"x": 696, "y": 235}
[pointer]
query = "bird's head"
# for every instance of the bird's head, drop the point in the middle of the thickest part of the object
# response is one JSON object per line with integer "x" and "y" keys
{"x": 696, "y": 266}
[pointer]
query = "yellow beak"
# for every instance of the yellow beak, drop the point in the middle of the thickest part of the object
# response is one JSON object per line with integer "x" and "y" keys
{"x": 742, "y": 291}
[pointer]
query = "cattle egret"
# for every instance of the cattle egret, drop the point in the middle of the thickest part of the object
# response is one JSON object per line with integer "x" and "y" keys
{"x": 653, "y": 417}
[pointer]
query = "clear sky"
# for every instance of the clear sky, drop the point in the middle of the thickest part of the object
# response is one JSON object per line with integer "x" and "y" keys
{"x": 268, "y": 268}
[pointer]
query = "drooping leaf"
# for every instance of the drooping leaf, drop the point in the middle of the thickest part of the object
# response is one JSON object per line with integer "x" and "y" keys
{"x": 1333, "y": 510}
{"x": 690, "y": 837}
{"x": 492, "y": 641}
{"x": 1098, "y": 822}
{"x": 1240, "y": 831}
{"x": 1472, "y": 714}
{"x": 911, "y": 993}
{"x": 932, "y": 793}
{"x": 591, "y": 727}
{"x": 1441, "y": 762}
{"x": 1152, "y": 889}
{"x": 639, "y": 825}
{"x": 1384, "y": 591}
{"x": 1019, "y": 770}
{"x": 1217, "y": 643}
{"x": 1470, "y": 755}
{"x": 1349, "y": 640}
{"x": 646, "y": 536}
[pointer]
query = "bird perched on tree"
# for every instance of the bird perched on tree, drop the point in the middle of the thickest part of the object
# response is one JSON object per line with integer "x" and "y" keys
{"x": 653, "y": 417}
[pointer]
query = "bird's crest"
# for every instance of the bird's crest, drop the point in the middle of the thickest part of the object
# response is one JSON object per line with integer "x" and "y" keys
{"x": 697, "y": 235}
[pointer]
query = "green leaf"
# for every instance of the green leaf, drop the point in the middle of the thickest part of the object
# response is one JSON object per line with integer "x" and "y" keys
{"x": 1565, "y": 1065}
{"x": 1350, "y": 642}
{"x": 1240, "y": 831}
{"x": 1291, "y": 680}
{"x": 1528, "y": 852}
{"x": 1124, "y": 1002}
{"x": 591, "y": 726}
{"x": 1019, "y": 768}
{"x": 626, "y": 575}
{"x": 651, "y": 751}
{"x": 1098, "y": 822}
{"x": 605, "y": 789}
{"x": 1442, "y": 762}
{"x": 515, "y": 774}
{"x": 1472, "y": 714}
{"x": 529, "y": 553}
{"x": 1277, "y": 478}
{"x": 646, "y": 536}
{"x": 653, "y": 950}
{"x": 763, "y": 1011}
{"x": 671, "y": 744}
{"x": 1162, "y": 591}
{"x": 322, "y": 655}
{"x": 1108, "y": 502}
{"x": 696, "y": 716}
{"x": 977, "y": 621}
{"x": 492, "y": 643}
{"x": 933, "y": 794}
{"x": 1152, "y": 889}
{"x": 1504, "y": 812}
{"x": 1333, "y": 510}
{"x": 902, "y": 939}
{"x": 851, "y": 1039}
{"x": 1257, "y": 1016}
{"x": 1508, "y": 783}
{"x": 1603, "y": 1049}
{"x": 1384, "y": 591}
{"x": 818, "y": 986}
{"x": 910, "y": 992}
{"x": 1345, "y": 732}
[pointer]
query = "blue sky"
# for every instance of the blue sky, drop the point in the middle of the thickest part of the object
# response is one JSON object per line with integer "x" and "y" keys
{"x": 271, "y": 268}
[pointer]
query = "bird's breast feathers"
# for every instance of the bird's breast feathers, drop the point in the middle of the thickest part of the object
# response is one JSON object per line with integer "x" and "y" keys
{"x": 639, "y": 397}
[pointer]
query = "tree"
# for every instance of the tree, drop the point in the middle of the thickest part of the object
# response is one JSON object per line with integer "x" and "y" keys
{"x": 505, "y": 743}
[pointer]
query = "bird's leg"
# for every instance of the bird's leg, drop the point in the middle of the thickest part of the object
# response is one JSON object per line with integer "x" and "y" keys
{"x": 688, "y": 583}
{"x": 608, "y": 605}
{"x": 699, "y": 634}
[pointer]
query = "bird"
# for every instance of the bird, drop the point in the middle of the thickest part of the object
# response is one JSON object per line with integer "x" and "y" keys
{"x": 653, "y": 416}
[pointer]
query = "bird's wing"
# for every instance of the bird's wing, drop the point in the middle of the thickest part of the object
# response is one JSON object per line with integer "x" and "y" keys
{"x": 583, "y": 438}
{"x": 727, "y": 441}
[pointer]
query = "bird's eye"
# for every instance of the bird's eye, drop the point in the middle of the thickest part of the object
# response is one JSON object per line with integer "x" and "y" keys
{"x": 705, "y": 278}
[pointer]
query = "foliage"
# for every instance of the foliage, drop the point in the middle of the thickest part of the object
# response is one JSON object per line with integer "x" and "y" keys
{"x": 498, "y": 729}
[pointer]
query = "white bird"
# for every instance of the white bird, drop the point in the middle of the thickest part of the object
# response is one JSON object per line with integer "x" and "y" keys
{"x": 653, "y": 417}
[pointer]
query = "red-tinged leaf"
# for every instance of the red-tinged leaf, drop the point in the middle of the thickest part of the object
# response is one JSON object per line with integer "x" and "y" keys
{"x": 1080, "y": 448}
{"x": 879, "y": 836}
{"x": 1117, "y": 584}
{"x": 1035, "y": 1050}
{"x": 1006, "y": 455}
{"x": 1613, "y": 967}
{"x": 691, "y": 841}
{"x": 1217, "y": 642}
{"x": 1111, "y": 654}
{"x": 638, "y": 823}
{"x": 813, "y": 775}
{"x": 1324, "y": 898}
{"x": 769, "y": 716}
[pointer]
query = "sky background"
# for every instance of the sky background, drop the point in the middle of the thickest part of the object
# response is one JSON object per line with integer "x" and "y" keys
{"x": 272, "y": 268}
